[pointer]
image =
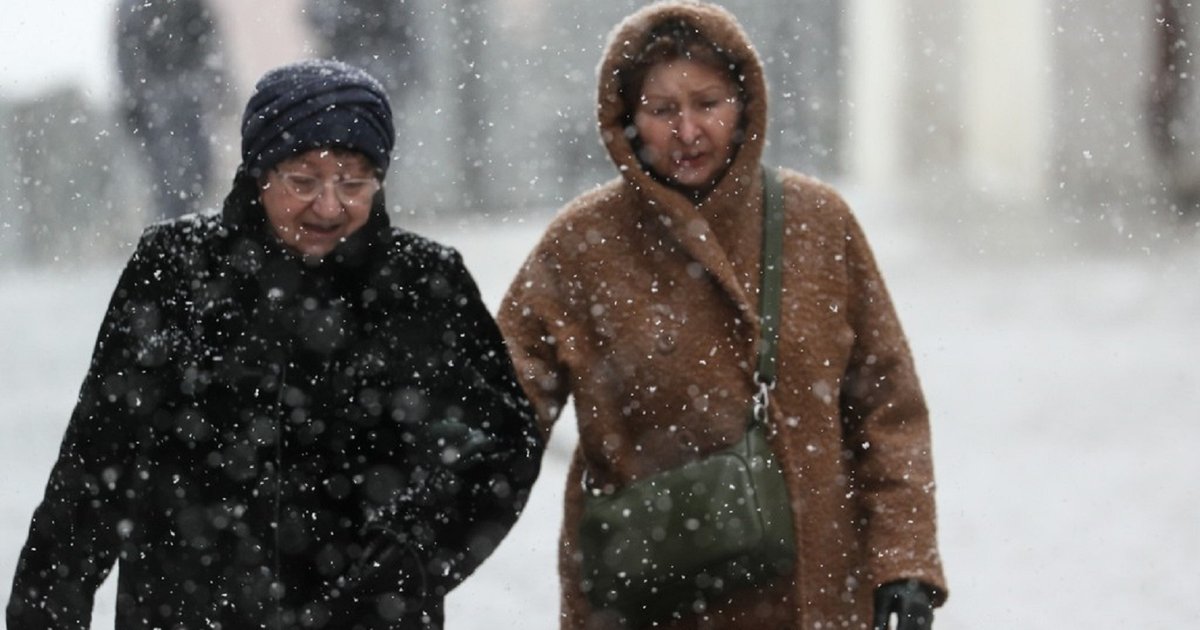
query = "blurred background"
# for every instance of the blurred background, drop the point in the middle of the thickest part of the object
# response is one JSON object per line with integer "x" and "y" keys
{"x": 1027, "y": 172}
{"x": 116, "y": 112}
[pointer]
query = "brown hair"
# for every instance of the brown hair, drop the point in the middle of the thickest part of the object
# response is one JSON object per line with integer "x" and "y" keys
{"x": 671, "y": 41}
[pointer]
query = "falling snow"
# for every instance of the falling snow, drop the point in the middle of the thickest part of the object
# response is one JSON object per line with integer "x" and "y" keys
{"x": 1053, "y": 309}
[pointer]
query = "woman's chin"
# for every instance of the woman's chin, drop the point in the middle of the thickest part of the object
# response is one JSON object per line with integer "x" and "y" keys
{"x": 694, "y": 178}
{"x": 317, "y": 245}
{"x": 309, "y": 249}
{"x": 701, "y": 171}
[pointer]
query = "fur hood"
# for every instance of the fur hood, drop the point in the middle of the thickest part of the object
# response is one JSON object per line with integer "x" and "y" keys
{"x": 626, "y": 40}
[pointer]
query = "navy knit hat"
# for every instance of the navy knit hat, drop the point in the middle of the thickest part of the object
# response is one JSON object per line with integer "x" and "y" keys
{"x": 312, "y": 104}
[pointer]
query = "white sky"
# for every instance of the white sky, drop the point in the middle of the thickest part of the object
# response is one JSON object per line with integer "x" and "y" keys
{"x": 45, "y": 43}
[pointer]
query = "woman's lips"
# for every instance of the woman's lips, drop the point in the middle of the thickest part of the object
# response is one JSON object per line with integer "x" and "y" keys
{"x": 691, "y": 161}
{"x": 322, "y": 231}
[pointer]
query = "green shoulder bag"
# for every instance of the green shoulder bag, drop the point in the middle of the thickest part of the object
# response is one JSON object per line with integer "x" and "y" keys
{"x": 667, "y": 544}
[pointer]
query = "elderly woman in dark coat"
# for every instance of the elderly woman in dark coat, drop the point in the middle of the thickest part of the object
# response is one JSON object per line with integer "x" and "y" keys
{"x": 296, "y": 415}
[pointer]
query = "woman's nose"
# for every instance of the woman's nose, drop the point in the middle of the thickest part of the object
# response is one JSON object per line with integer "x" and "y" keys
{"x": 687, "y": 130}
{"x": 327, "y": 202}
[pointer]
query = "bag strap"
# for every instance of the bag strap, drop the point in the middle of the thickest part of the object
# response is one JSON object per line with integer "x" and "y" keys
{"x": 770, "y": 291}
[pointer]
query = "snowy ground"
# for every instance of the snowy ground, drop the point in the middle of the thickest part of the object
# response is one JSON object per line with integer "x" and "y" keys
{"x": 1062, "y": 381}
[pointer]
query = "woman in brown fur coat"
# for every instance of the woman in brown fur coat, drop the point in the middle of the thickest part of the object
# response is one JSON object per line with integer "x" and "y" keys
{"x": 641, "y": 303}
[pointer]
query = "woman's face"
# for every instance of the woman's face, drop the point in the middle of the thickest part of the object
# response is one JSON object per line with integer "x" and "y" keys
{"x": 317, "y": 199}
{"x": 687, "y": 118}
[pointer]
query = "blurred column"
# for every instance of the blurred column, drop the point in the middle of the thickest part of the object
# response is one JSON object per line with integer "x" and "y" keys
{"x": 1006, "y": 95}
{"x": 1101, "y": 148}
{"x": 255, "y": 37}
{"x": 261, "y": 35}
{"x": 471, "y": 133}
{"x": 1173, "y": 103}
{"x": 801, "y": 45}
{"x": 875, "y": 85}
{"x": 950, "y": 95}
{"x": 904, "y": 90}
{"x": 933, "y": 121}
{"x": 11, "y": 194}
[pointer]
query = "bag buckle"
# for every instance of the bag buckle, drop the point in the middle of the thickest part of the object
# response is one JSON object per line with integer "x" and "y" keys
{"x": 585, "y": 482}
{"x": 762, "y": 398}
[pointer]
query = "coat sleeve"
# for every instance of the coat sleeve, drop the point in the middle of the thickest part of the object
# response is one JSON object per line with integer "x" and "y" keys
{"x": 484, "y": 451}
{"x": 77, "y": 531}
{"x": 888, "y": 431}
{"x": 530, "y": 315}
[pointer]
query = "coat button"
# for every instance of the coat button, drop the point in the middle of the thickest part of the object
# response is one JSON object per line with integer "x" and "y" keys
{"x": 666, "y": 342}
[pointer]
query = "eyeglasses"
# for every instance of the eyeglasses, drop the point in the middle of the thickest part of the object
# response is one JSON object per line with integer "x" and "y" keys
{"x": 350, "y": 192}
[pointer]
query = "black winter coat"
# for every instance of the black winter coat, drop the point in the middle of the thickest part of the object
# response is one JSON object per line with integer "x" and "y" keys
{"x": 250, "y": 422}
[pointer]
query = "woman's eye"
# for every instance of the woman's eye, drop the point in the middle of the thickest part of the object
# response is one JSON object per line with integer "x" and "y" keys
{"x": 353, "y": 188}
{"x": 304, "y": 184}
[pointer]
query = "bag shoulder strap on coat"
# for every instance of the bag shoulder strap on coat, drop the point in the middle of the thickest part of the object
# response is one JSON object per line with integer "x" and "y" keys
{"x": 770, "y": 292}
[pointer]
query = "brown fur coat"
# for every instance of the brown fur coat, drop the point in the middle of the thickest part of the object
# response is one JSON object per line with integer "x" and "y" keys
{"x": 642, "y": 306}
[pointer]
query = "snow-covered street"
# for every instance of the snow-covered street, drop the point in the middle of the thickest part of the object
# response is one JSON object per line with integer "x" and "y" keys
{"x": 1066, "y": 422}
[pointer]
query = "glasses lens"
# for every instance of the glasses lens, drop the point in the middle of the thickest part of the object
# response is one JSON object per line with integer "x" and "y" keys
{"x": 354, "y": 192}
{"x": 350, "y": 192}
{"x": 300, "y": 186}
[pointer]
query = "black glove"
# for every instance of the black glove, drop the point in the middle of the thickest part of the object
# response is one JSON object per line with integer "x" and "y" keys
{"x": 385, "y": 585}
{"x": 911, "y": 602}
{"x": 458, "y": 446}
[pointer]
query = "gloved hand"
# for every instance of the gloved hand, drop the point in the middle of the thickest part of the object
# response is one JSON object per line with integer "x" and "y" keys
{"x": 911, "y": 602}
{"x": 386, "y": 584}
{"x": 459, "y": 446}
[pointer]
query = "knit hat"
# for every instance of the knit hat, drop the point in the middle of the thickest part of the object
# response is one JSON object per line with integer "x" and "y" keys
{"x": 312, "y": 104}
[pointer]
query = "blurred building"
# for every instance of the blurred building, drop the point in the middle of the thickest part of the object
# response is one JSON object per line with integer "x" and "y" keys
{"x": 954, "y": 110}
{"x": 970, "y": 108}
